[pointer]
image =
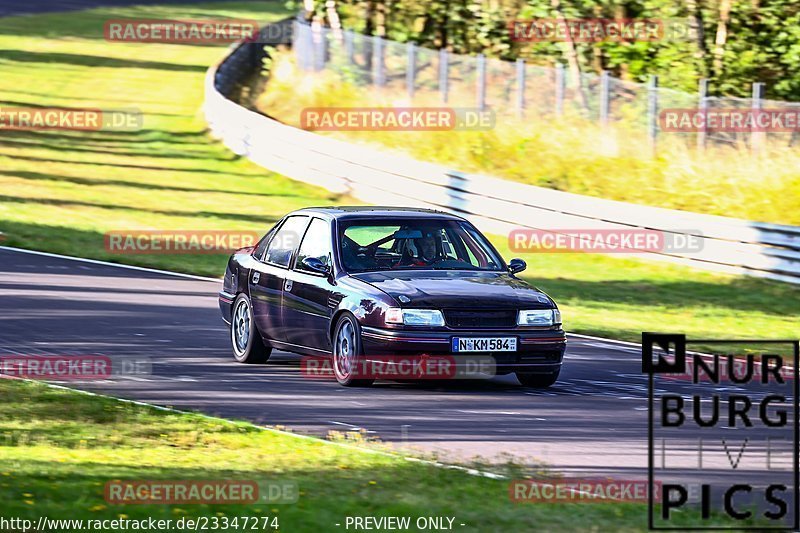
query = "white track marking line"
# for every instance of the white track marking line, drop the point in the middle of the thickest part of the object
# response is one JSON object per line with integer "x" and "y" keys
{"x": 106, "y": 263}
{"x": 478, "y": 412}
{"x": 343, "y": 424}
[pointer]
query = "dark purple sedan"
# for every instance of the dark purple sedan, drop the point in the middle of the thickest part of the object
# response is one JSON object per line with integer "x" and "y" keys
{"x": 350, "y": 284}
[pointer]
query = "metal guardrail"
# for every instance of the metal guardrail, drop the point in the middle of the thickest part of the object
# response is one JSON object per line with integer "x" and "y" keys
{"x": 496, "y": 205}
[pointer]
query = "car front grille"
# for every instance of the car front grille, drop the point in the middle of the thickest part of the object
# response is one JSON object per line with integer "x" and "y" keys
{"x": 481, "y": 319}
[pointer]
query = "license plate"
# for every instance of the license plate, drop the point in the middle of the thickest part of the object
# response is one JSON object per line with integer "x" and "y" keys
{"x": 484, "y": 344}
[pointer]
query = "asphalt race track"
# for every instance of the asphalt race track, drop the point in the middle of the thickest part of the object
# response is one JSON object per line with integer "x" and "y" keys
{"x": 592, "y": 422}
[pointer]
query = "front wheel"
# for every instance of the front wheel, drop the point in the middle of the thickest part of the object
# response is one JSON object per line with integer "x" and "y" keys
{"x": 245, "y": 340}
{"x": 347, "y": 353}
{"x": 538, "y": 381}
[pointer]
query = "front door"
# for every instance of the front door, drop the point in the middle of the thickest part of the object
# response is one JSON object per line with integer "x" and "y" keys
{"x": 307, "y": 293}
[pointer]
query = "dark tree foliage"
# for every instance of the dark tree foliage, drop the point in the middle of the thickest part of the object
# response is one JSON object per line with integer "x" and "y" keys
{"x": 731, "y": 42}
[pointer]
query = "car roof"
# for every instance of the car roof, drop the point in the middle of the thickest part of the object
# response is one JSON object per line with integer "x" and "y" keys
{"x": 370, "y": 212}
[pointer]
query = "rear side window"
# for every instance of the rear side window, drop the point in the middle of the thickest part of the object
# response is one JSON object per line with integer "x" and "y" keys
{"x": 285, "y": 241}
{"x": 261, "y": 247}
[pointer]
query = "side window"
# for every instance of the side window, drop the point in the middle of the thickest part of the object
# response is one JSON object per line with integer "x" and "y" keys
{"x": 258, "y": 253}
{"x": 316, "y": 243}
{"x": 285, "y": 241}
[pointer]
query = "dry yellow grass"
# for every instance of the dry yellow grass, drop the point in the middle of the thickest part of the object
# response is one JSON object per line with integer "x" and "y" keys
{"x": 570, "y": 154}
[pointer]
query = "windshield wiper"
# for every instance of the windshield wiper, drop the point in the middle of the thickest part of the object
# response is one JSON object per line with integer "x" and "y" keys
{"x": 374, "y": 269}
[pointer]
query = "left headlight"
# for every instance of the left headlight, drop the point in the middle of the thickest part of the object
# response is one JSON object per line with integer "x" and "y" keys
{"x": 539, "y": 317}
{"x": 414, "y": 317}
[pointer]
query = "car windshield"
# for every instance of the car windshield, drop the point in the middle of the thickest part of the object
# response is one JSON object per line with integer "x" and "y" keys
{"x": 415, "y": 245}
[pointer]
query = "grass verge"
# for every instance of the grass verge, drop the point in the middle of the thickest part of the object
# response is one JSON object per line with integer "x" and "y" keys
{"x": 61, "y": 190}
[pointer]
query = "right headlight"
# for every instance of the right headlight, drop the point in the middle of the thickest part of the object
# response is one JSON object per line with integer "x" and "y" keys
{"x": 414, "y": 317}
{"x": 539, "y": 317}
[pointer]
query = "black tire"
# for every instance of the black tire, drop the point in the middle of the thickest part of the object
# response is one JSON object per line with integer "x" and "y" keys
{"x": 246, "y": 342}
{"x": 538, "y": 381}
{"x": 347, "y": 352}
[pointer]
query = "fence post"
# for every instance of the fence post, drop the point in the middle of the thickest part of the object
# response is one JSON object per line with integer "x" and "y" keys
{"x": 444, "y": 71}
{"x": 756, "y": 137}
{"x": 411, "y": 66}
{"x": 605, "y": 96}
{"x": 377, "y": 62}
{"x": 560, "y": 86}
{"x": 481, "y": 66}
{"x": 520, "y": 87}
{"x": 652, "y": 112}
{"x": 349, "y": 47}
{"x": 702, "y": 105}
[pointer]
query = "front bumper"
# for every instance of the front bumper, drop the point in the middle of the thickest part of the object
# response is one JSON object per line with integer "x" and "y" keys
{"x": 538, "y": 351}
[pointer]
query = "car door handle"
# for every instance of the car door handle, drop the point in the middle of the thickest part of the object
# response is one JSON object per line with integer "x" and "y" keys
{"x": 288, "y": 285}
{"x": 256, "y": 277}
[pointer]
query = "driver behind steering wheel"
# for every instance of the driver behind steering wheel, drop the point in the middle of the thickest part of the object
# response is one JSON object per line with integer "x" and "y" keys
{"x": 427, "y": 250}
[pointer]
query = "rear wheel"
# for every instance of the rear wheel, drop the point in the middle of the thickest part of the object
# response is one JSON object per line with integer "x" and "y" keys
{"x": 538, "y": 381}
{"x": 347, "y": 352}
{"x": 245, "y": 339}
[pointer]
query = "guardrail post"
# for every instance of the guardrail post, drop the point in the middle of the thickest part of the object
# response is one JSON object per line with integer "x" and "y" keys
{"x": 444, "y": 73}
{"x": 605, "y": 101}
{"x": 296, "y": 43}
{"x": 379, "y": 76}
{"x": 560, "y": 86}
{"x": 652, "y": 112}
{"x": 702, "y": 105}
{"x": 327, "y": 34}
{"x": 304, "y": 44}
{"x": 481, "y": 66}
{"x": 756, "y": 137}
{"x": 411, "y": 66}
{"x": 349, "y": 49}
{"x": 321, "y": 39}
{"x": 520, "y": 88}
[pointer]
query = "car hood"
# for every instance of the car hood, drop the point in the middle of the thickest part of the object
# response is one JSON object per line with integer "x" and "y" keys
{"x": 447, "y": 289}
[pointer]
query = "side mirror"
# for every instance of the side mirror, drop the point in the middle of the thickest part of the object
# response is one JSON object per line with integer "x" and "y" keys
{"x": 517, "y": 265}
{"x": 315, "y": 265}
